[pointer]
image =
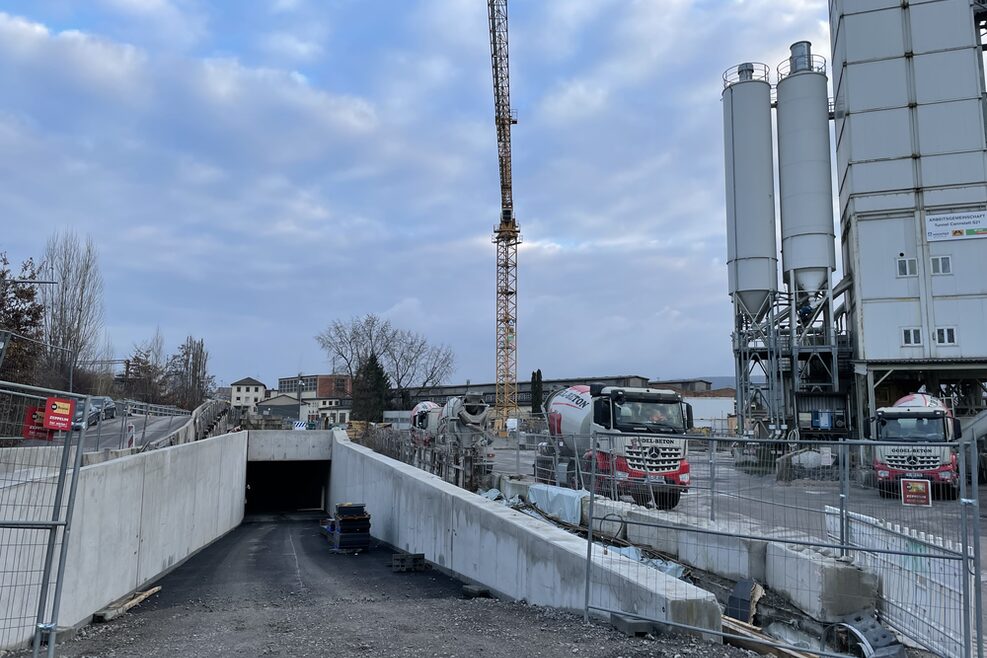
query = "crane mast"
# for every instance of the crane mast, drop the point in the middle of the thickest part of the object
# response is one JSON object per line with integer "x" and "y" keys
{"x": 506, "y": 235}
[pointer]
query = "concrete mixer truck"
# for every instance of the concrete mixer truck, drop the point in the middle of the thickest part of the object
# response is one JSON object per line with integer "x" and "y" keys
{"x": 927, "y": 421}
{"x": 461, "y": 422}
{"x": 635, "y": 436}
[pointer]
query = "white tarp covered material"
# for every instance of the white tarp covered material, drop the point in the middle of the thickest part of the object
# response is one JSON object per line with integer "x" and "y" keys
{"x": 633, "y": 552}
{"x": 560, "y": 502}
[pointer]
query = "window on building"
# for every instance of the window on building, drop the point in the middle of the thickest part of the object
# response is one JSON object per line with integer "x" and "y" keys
{"x": 907, "y": 267}
{"x": 946, "y": 335}
{"x": 237, "y": 389}
{"x": 340, "y": 385}
{"x": 911, "y": 336}
{"x": 941, "y": 265}
{"x": 238, "y": 398}
{"x": 256, "y": 389}
{"x": 342, "y": 417}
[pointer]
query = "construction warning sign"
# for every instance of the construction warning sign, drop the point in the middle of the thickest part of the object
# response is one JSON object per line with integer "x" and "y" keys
{"x": 58, "y": 414}
{"x": 33, "y": 428}
{"x": 916, "y": 492}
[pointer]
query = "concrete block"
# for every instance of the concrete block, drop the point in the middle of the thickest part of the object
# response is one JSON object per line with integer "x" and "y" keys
{"x": 631, "y": 626}
{"x": 823, "y": 587}
{"x": 511, "y": 488}
{"x": 642, "y": 530}
{"x": 608, "y": 516}
{"x": 725, "y": 555}
{"x": 289, "y": 445}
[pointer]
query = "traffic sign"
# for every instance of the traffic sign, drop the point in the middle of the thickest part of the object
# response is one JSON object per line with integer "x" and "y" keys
{"x": 58, "y": 414}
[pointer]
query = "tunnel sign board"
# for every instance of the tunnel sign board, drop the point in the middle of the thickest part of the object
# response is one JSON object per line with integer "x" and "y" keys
{"x": 956, "y": 226}
{"x": 916, "y": 492}
{"x": 58, "y": 414}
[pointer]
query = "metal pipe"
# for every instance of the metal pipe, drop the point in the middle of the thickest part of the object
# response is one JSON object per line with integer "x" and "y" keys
{"x": 712, "y": 480}
{"x": 844, "y": 498}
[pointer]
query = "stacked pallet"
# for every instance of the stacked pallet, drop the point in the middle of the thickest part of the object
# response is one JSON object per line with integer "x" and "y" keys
{"x": 349, "y": 529}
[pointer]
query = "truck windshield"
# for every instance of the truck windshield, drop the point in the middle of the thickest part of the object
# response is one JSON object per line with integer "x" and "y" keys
{"x": 660, "y": 415}
{"x": 912, "y": 429}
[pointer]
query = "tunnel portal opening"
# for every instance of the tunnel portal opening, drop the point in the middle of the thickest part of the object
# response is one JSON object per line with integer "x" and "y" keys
{"x": 286, "y": 486}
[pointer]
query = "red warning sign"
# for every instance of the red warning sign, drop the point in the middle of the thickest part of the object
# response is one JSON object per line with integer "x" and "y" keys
{"x": 916, "y": 492}
{"x": 58, "y": 414}
{"x": 33, "y": 428}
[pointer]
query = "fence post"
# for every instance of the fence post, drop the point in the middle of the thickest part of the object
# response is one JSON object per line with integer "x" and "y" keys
{"x": 50, "y": 549}
{"x": 973, "y": 465}
{"x": 147, "y": 413}
{"x": 589, "y": 530}
{"x": 123, "y": 422}
{"x": 966, "y": 504}
{"x": 712, "y": 478}
{"x": 844, "y": 453}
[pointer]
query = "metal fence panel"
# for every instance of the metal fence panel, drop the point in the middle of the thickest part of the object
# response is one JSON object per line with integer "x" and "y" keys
{"x": 37, "y": 495}
{"x": 821, "y": 525}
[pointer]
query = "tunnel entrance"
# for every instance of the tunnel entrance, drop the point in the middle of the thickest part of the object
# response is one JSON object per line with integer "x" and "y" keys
{"x": 286, "y": 486}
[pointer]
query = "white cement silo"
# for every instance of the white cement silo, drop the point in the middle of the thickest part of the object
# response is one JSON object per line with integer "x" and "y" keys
{"x": 808, "y": 244}
{"x": 752, "y": 260}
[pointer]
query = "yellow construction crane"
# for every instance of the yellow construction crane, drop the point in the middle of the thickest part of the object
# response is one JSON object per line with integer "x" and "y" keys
{"x": 506, "y": 234}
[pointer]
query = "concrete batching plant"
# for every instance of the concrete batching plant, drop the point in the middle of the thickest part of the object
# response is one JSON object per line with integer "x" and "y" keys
{"x": 911, "y": 308}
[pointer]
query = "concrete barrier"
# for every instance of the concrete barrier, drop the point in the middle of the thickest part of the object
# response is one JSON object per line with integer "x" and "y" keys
{"x": 512, "y": 554}
{"x": 289, "y": 445}
{"x": 136, "y": 517}
{"x": 825, "y": 588}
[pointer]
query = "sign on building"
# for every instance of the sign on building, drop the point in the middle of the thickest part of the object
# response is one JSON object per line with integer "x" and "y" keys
{"x": 956, "y": 226}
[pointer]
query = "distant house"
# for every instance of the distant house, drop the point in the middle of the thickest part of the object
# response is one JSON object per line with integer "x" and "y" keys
{"x": 282, "y": 406}
{"x": 325, "y": 399}
{"x": 246, "y": 393}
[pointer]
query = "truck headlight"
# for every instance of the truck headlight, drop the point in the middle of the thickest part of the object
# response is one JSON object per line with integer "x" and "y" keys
{"x": 884, "y": 474}
{"x": 945, "y": 475}
{"x": 621, "y": 475}
{"x": 684, "y": 478}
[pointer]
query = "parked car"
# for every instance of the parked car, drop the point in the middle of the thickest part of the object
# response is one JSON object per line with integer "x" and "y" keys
{"x": 107, "y": 407}
{"x": 80, "y": 409}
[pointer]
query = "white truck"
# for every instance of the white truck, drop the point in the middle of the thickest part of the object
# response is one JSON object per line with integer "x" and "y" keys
{"x": 927, "y": 421}
{"x": 635, "y": 436}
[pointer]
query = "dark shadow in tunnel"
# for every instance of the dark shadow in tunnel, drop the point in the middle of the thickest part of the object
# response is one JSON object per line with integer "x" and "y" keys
{"x": 285, "y": 486}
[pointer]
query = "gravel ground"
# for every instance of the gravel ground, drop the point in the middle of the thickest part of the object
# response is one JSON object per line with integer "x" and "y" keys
{"x": 274, "y": 589}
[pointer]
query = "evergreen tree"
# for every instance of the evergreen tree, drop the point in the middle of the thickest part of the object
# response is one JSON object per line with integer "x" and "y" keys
{"x": 537, "y": 392}
{"x": 371, "y": 389}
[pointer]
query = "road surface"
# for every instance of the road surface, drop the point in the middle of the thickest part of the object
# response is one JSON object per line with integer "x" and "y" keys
{"x": 274, "y": 589}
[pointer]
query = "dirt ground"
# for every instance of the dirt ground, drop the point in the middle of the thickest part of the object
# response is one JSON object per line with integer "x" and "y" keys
{"x": 274, "y": 589}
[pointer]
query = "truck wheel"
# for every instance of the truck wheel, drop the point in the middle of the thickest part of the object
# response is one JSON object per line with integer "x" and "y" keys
{"x": 948, "y": 492}
{"x": 664, "y": 498}
{"x": 668, "y": 499}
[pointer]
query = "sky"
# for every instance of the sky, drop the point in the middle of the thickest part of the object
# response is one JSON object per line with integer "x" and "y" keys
{"x": 252, "y": 171}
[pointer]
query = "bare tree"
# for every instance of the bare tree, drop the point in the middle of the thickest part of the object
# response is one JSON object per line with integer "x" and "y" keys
{"x": 408, "y": 359}
{"x": 189, "y": 381}
{"x": 73, "y": 317}
{"x": 355, "y": 341}
{"x": 411, "y": 362}
{"x": 145, "y": 377}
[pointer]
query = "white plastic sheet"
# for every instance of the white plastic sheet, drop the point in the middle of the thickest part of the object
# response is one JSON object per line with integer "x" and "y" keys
{"x": 562, "y": 503}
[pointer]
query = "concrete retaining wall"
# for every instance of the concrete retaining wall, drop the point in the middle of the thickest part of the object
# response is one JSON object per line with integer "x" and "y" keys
{"x": 509, "y": 552}
{"x": 135, "y": 518}
{"x": 289, "y": 445}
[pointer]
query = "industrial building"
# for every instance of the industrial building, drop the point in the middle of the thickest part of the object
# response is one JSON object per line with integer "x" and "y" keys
{"x": 908, "y": 125}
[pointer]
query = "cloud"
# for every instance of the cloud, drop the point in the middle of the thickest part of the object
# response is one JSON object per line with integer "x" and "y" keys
{"x": 290, "y": 46}
{"x": 251, "y": 187}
